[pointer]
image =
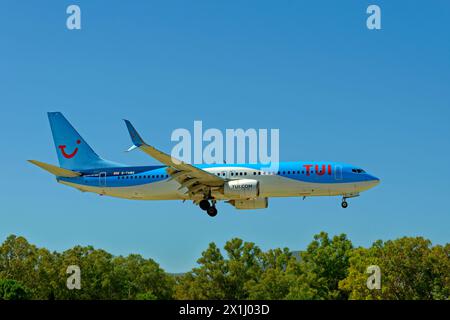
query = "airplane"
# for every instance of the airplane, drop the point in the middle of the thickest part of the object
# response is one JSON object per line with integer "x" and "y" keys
{"x": 244, "y": 186}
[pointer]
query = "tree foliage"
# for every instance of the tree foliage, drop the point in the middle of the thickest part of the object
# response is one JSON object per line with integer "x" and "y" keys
{"x": 410, "y": 269}
{"x": 103, "y": 276}
{"x": 329, "y": 268}
{"x": 13, "y": 290}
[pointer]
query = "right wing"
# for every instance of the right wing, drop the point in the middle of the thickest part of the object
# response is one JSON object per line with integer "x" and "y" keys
{"x": 194, "y": 179}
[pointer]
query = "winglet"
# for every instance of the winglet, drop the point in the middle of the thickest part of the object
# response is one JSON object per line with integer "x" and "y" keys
{"x": 135, "y": 137}
{"x": 131, "y": 148}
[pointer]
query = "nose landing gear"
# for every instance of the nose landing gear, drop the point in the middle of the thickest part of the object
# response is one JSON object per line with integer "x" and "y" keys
{"x": 210, "y": 209}
{"x": 344, "y": 203}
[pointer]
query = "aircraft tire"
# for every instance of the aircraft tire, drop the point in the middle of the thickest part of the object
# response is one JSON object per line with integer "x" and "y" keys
{"x": 204, "y": 205}
{"x": 211, "y": 211}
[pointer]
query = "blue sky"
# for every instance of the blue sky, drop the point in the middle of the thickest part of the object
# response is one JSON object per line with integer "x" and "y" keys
{"x": 337, "y": 92}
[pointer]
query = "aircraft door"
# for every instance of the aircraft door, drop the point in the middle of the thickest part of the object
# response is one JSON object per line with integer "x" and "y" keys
{"x": 338, "y": 172}
{"x": 102, "y": 179}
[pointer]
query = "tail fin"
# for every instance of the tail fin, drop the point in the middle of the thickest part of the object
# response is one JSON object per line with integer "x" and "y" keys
{"x": 72, "y": 150}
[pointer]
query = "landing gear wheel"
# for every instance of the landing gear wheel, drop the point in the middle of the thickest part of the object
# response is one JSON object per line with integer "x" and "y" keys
{"x": 204, "y": 205}
{"x": 212, "y": 211}
{"x": 344, "y": 204}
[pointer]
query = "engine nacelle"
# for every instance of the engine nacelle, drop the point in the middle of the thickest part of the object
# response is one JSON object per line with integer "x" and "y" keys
{"x": 241, "y": 189}
{"x": 260, "y": 203}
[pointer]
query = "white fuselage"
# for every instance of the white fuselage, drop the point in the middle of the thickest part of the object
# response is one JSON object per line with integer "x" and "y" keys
{"x": 271, "y": 185}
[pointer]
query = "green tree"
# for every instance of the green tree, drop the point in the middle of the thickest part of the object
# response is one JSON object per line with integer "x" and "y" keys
{"x": 410, "y": 269}
{"x": 278, "y": 274}
{"x": 323, "y": 265}
{"x": 13, "y": 290}
{"x": 244, "y": 264}
{"x": 146, "y": 296}
{"x": 249, "y": 273}
{"x": 95, "y": 266}
{"x": 220, "y": 278}
{"x": 23, "y": 262}
{"x": 208, "y": 281}
{"x": 17, "y": 259}
{"x": 135, "y": 276}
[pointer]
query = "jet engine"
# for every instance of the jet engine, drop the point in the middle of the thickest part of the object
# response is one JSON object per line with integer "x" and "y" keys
{"x": 241, "y": 189}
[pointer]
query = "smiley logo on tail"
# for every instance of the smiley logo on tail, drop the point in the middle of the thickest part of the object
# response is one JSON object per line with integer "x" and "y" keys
{"x": 70, "y": 155}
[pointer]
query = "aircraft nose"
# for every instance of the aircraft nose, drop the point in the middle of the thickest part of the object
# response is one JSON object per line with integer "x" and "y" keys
{"x": 374, "y": 180}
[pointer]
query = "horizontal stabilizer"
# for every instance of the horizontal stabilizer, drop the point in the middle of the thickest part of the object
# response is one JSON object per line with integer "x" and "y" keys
{"x": 57, "y": 171}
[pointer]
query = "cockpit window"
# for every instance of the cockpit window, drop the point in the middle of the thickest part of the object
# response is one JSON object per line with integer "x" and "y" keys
{"x": 357, "y": 170}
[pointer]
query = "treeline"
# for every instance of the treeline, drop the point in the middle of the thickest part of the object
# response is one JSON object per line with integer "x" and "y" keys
{"x": 330, "y": 268}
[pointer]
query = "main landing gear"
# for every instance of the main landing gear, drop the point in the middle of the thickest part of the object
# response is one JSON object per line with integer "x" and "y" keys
{"x": 344, "y": 203}
{"x": 210, "y": 209}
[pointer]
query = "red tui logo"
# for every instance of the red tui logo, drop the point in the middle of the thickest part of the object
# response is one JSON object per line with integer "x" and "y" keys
{"x": 70, "y": 155}
{"x": 319, "y": 172}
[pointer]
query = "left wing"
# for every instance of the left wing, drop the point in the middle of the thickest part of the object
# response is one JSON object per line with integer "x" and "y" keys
{"x": 194, "y": 179}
